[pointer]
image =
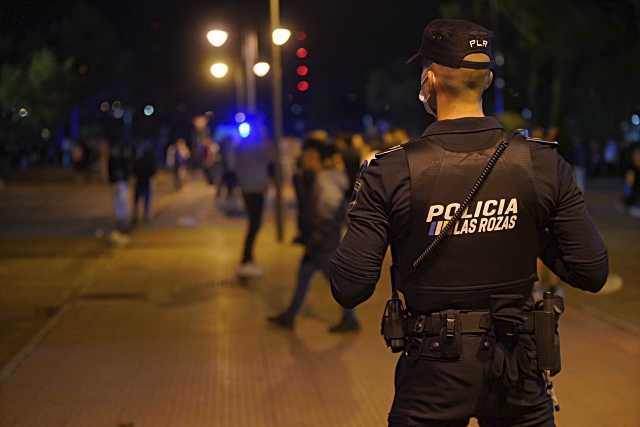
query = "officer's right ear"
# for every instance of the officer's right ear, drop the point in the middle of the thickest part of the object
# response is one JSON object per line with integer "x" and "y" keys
{"x": 431, "y": 80}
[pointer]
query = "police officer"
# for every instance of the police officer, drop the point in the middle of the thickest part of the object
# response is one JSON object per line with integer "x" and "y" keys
{"x": 471, "y": 346}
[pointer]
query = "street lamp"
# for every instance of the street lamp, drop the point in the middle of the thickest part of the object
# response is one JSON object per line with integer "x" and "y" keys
{"x": 217, "y": 37}
{"x": 280, "y": 36}
{"x": 261, "y": 69}
{"x": 219, "y": 70}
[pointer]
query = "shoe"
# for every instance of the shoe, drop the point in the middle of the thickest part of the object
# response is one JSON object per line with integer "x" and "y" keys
{"x": 283, "y": 320}
{"x": 348, "y": 324}
{"x": 248, "y": 270}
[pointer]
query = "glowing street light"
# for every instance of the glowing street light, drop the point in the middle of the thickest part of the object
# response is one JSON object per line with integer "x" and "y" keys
{"x": 217, "y": 37}
{"x": 280, "y": 36}
{"x": 261, "y": 69}
{"x": 219, "y": 70}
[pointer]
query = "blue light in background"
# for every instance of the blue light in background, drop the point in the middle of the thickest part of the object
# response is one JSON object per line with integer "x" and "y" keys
{"x": 244, "y": 129}
{"x": 240, "y": 117}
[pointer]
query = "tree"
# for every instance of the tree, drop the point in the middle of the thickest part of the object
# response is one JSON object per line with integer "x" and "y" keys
{"x": 35, "y": 94}
{"x": 569, "y": 61}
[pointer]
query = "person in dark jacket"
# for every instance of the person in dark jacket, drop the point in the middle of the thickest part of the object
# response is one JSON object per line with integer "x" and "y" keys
{"x": 470, "y": 347}
{"x": 327, "y": 210}
{"x": 144, "y": 169}
{"x": 119, "y": 168}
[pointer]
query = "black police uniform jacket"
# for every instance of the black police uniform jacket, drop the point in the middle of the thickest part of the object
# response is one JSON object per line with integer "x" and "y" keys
{"x": 530, "y": 206}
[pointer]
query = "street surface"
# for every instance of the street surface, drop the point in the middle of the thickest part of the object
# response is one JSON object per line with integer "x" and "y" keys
{"x": 160, "y": 332}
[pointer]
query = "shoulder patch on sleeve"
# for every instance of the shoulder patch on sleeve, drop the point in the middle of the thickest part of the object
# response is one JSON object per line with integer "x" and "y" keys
{"x": 390, "y": 150}
{"x": 543, "y": 141}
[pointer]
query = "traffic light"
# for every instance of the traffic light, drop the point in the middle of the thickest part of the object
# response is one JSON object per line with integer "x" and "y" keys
{"x": 302, "y": 70}
{"x": 302, "y": 52}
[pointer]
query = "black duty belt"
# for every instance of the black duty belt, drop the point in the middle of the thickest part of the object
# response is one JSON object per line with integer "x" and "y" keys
{"x": 464, "y": 322}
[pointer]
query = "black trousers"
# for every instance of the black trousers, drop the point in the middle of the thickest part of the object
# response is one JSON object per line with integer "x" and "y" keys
{"x": 254, "y": 204}
{"x": 432, "y": 392}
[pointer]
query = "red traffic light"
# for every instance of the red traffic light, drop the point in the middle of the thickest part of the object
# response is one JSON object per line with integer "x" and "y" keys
{"x": 302, "y": 70}
{"x": 303, "y": 86}
{"x": 302, "y": 52}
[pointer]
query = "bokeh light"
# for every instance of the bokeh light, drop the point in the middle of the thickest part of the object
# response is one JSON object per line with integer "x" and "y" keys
{"x": 219, "y": 70}
{"x": 303, "y": 86}
{"x": 280, "y": 36}
{"x": 240, "y": 117}
{"x": 148, "y": 110}
{"x": 261, "y": 69}
{"x": 302, "y": 70}
{"x": 302, "y": 53}
{"x": 244, "y": 129}
{"x": 217, "y": 37}
{"x": 23, "y": 112}
{"x": 104, "y": 106}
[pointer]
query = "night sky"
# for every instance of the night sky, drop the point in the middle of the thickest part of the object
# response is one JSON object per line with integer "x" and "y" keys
{"x": 346, "y": 40}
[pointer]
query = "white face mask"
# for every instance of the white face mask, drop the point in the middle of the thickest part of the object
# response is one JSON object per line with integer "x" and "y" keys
{"x": 426, "y": 98}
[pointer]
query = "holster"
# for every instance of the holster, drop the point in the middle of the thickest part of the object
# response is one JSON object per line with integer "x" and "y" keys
{"x": 546, "y": 315}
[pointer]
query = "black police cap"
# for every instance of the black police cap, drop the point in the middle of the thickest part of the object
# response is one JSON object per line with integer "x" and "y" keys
{"x": 448, "y": 41}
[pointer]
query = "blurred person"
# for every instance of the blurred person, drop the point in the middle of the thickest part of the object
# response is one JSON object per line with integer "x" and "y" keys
{"x": 552, "y": 133}
{"x": 611, "y": 157}
{"x": 119, "y": 166}
{"x": 595, "y": 158}
{"x": 78, "y": 156}
{"x": 388, "y": 139}
{"x": 144, "y": 169}
{"x": 631, "y": 197}
{"x": 303, "y": 181}
{"x": 176, "y": 159}
{"x": 537, "y": 132}
{"x": 350, "y": 158}
{"x": 466, "y": 342}
{"x": 580, "y": 157}
{"x": 364, "y": 148}
{"x": 400, "y": 136}
{"x": 210, "y": 161}
{"x": 252, "y": 158}
{"x": 328, "y": 209}
{"x": 66, "y": 148}
{"x": 229, "y": 180}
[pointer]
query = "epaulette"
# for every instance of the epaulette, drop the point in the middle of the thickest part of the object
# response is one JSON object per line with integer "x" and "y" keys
{"x": 390, "y": 150}
{"x": 542, "y": 141}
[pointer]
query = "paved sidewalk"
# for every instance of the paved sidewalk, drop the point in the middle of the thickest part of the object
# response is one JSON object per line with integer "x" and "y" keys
{"x": 163, "y": 335}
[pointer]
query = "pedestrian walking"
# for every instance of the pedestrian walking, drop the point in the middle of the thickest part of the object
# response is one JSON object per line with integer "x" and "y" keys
{"x": 144, "y": 169}
{"x": 467, "y": 209}
{"x": 252, "y": 158}
{"x": 119, "y": 165}
{"x": 328, "y": 209}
